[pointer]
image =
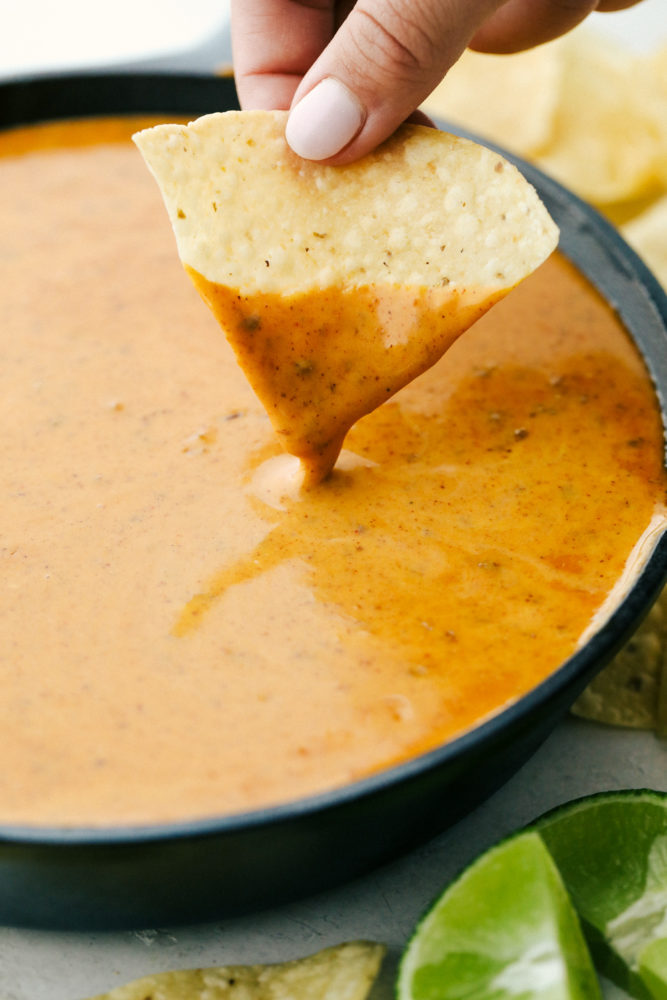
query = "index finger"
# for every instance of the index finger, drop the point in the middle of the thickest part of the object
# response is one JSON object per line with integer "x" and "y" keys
{"x": 274, "y": 43}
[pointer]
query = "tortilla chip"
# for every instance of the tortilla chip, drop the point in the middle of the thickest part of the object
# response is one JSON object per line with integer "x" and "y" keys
{"x": 658, "y": 68}
{"x": 425, "y": 206}
{"x": 480, "y": 93}
{"x": 345, "y": 972}
{"x": 608, "y": 139}
{"x": 620, "y": 213}
{"x": 338, "y": 285}
{"x": 627, "y": 692}
{"x": 647, "y": 233}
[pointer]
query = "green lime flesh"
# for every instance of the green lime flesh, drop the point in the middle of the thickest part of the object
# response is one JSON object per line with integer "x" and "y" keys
{"x": 653, "y": 968}
{"x": 504, "y": 930}
{"x": 611, "y": 852}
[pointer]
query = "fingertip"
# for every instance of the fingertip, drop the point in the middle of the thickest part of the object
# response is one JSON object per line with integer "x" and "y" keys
{"x": 517, "y": 25}
{"x": 325, "y": 121}
{"x": 268, "y": 92}
{"x": 419, "y": 117}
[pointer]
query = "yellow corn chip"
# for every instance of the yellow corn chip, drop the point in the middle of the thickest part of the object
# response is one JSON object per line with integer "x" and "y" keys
{"x": 627, "y": 692}
{"x": 658, "y": 69}
{"x": 509, "y": 99}
{"x": 338, "y": 285}
{"x": 344, "y": 972}
{"x": 608, "y": 138}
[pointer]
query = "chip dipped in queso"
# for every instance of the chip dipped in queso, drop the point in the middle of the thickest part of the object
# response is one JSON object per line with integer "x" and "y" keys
{"x": 186, "y": 634}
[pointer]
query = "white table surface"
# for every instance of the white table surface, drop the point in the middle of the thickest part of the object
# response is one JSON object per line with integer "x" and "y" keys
{"x": 38, "y": 36}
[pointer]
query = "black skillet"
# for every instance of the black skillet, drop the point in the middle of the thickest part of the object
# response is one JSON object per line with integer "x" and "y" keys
{"x": 157, "y": 875}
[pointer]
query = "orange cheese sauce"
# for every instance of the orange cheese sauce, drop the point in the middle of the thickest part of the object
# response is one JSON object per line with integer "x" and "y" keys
{"x": 347, "y": 352}
{"x": 183, "y": 634}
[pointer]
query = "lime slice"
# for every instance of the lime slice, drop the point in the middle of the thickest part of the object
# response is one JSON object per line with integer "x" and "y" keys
{"x": 611, "y": 852}
{"x": 653, "y": 968}
{"x": 504, "y": 929}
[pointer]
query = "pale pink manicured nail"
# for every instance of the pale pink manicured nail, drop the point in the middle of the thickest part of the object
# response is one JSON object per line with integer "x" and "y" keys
{"x": 324, "y": 121}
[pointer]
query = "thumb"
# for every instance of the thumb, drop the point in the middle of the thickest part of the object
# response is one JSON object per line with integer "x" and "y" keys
{"x": 383, "y": 61}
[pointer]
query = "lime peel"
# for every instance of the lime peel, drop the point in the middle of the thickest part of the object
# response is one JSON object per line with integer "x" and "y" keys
{"x": 611, "y": 851}
{"x": 504, "y": 929}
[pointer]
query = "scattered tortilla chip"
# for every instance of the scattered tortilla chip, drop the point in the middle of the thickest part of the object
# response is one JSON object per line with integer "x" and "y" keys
{"x": 345, "y": 972}
{"x": 647, "y": 233}
{"x": 338, "y": 285}
{"x": 628, "y": 691}
{"x": 608, "y": 138}
{"x": 620, "y": 213}
{"x": 482, "y": 93}
{"x": 658, "y": 67}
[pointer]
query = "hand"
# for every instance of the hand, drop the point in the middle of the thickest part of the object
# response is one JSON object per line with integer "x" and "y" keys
{"x": 352, "y": 72}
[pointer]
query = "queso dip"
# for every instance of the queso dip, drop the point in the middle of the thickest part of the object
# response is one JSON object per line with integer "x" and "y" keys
{"x": 183, "y": 634}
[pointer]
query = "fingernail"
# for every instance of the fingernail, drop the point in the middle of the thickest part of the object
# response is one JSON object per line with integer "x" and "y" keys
{"x": 324, "y": 121}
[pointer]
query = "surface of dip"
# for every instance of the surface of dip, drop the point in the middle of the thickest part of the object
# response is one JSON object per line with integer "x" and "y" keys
{"x": 183, "y": 636}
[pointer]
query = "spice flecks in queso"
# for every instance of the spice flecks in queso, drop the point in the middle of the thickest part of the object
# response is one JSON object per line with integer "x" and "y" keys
{"x": 360, "y": 277}
{"x": 321, "y": 359}
{"x": 180, "y": 635}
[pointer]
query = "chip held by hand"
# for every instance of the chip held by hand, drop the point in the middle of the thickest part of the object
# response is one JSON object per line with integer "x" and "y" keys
{"x": 336, "y": 286}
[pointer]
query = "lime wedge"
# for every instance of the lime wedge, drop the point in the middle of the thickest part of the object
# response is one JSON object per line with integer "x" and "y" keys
{"x": 653, "y": 968}
{"x": 611, "y": 852}
{"x": 504, "y": 929}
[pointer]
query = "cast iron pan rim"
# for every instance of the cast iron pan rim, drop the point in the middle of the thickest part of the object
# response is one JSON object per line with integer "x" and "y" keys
{"x": 575, "y": 672}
